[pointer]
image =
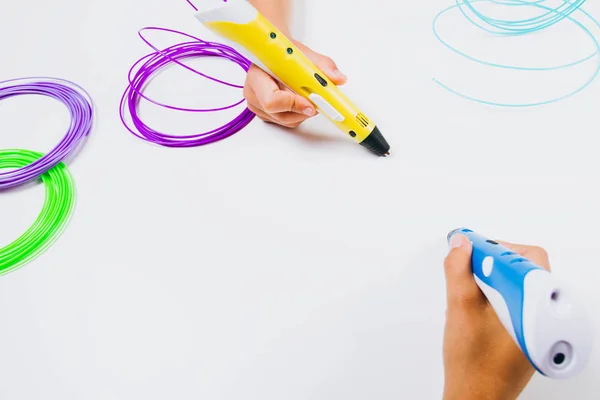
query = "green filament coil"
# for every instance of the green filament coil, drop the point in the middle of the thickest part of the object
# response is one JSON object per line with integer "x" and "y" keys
{"x": 52, "y": 220}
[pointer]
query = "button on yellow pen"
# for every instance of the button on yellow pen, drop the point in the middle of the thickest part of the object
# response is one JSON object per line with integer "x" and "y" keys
{"x": 251, "y": 34}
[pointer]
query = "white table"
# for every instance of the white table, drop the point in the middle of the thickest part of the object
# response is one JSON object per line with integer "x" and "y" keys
{"x": 276, "y": 264}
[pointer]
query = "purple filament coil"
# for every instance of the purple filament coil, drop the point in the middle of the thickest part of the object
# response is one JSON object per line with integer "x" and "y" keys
{"x": 146, "y": 68}
{"x": 79, "y": 105}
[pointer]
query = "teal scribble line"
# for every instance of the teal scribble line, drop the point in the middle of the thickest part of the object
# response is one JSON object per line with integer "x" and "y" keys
{"x": 522, "y": 27}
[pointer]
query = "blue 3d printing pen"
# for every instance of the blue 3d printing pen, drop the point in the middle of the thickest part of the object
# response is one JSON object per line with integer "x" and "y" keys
{"x": 540, "y": 314}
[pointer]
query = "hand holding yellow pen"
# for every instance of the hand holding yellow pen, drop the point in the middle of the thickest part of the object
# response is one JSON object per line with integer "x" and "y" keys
{"x": 249, "y": 32}
{"x": 273, "y": 102}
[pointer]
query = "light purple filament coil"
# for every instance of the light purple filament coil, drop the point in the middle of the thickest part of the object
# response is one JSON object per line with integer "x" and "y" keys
{"x": 145, "y": 69}
{"x": 79, "y": 105}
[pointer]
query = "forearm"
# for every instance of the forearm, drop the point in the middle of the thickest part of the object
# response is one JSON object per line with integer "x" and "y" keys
{"x": 486, "y": 388}
{"x": 276, "y": 11}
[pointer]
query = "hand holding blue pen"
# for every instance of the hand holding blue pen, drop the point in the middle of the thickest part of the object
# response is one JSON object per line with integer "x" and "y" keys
{"x": 544, "y": 318}
{"x": 507, "y": 317}
{"x": 481, "y": 360}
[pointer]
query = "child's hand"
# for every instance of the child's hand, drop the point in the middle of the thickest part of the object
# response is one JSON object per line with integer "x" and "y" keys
{"x": 272, "y": 102}
{"x": 481, "y": 360}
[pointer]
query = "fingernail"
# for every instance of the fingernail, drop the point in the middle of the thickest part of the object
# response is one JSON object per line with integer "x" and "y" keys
{"x": 339, "y": 73}
{"x": 458, "y": 241}
{"x": 309, "y": 111}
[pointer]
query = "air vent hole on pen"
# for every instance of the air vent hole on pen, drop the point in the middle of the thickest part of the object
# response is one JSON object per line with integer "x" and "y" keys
{"x": 518, "y": 260}
{"x": 362, "y": 120}
{"x": 555, "y": 295}
{"x": 508, "y": 253}
{"x": 561, "y": 355}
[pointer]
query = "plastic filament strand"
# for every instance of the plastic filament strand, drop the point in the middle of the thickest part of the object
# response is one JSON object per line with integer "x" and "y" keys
{"x": 547, "y": 17}
{"x": 50, "y": 223}
{"x": 79, "y": 105}
{"x": 148, "y": 66}
{"x": 193, "y": 6}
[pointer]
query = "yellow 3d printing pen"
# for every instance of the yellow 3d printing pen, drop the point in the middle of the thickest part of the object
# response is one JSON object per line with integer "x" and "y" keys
{"x": 251, "y": 34}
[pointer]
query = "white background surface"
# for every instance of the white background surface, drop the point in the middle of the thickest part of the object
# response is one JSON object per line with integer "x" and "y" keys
{"x": 277, "y": 264}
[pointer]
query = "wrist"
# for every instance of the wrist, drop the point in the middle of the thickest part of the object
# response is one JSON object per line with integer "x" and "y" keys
{"x": 277, "y": 12}
{"x": 476, "y": 396}
{"x": 284, "y": 27}
{"x": 480, "y": 391}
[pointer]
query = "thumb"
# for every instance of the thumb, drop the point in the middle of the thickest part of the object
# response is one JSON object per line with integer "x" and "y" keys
{"x": 326, "y": 64}
{"x": 461, "y": 288}
{"x": 330, "y": 68}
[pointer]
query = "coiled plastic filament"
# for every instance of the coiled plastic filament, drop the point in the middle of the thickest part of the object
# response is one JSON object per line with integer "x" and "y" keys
{"x": 50, "y": 223}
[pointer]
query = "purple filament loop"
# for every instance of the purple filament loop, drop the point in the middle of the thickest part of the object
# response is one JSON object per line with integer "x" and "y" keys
{"x": 192, "y": 4}
{"x": 146, "y": 67}
{"x": 79, "y": 105}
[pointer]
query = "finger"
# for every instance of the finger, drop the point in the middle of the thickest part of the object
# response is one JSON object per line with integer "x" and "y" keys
{"x": 289, "y": 119}
{"x": 259, "y": 82}
{"x": 286, "y": 101}
{"x": 271, "y": 98}
{"x": 535, "y": 254}
{"x": 259, "y": 87}
{"x": 329, "y": 67}
{"x": 260, "y": 113}
{"x": 252, "y": 102}
{"x": 461, "y": 288}
{"x": 326, "y": 64}
{"x": 250, "y": 95}
{"x": 255, "y": 107}
{"x": 302, "y": 105}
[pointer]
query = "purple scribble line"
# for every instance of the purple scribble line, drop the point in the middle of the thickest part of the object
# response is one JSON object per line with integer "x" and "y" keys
{"x": 192, "y": 4}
